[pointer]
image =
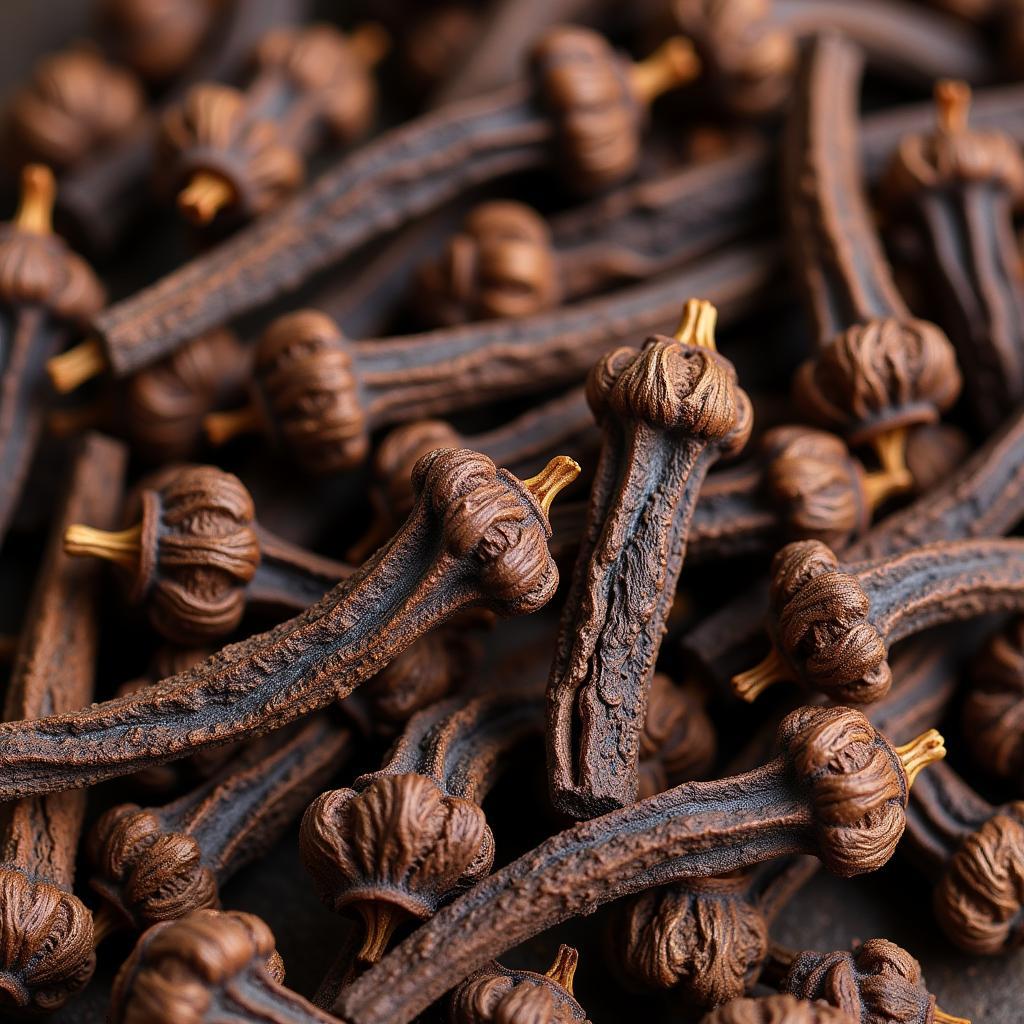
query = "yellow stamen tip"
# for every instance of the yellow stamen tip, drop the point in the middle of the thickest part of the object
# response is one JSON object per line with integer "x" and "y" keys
{"x": 920, "y": 752}
{"x": 122, "y": 547}
{"x": 770, "y": 670}
{"x": 941, "y": 1017}
{"x": 38, "y": 194}
{"x": 563, "y": 970}
{"x": 221, "y": 427}
{"x": 380, "y": 921}
{"x": 73, "y": 368}
{"x": 672, "y": 64}
{"x": 552, "y": 479}
{"x": 697, "y": 325}
{"x": 205, "y": 196}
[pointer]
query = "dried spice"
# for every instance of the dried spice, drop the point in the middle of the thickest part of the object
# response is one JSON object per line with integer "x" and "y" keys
{"x": 667, "y": 413}
{"x": 878, "y": 983}
{"x": 959, "y": 187}
{"x": 406, "y": 839}
{"x": 211, "y": 960}
{"x": 975, "y": 852}
{"x": 803, "y": 802}
{"x": 404, "y": 174}
{"x": 994, "y": 705}
{"x": 477, "y": 536}
{"x": 243, "y": 153}
{"x": 832, "y": 626}
{"x": 780, "y": 1009}
{"x": 45, "y": 291}
{"x": 197, "y": 558}
{"x": 319, "y": 396}
{"x": 495, "y": 994}
{"x": 46, "y": 934}
{"x": 878, "y": 369}
{"x": 706, "y": 939}
{"x": 160, "y": 863}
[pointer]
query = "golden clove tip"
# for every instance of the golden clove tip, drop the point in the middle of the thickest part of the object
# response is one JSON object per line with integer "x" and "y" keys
{"x": 563, "y": 970}
{"x": 73, "y": 368}
{"x": 206, "y": 194}
{"x": 770, "y": 670}
{"x": 697, "y": 324}
{"x": 38, "y": 194}
{"x": 672, "y": 64}
{"x": 123, "y": 547}
{"x": 881, "y": 486}
{"x": 953, "y": 102}
{"x": 891, "y": 450}
{"x": 380, "y": 921}
{"x": 222, "y": 427}
{"x": 941, "y": 1017}
{"x": 552, "y": 479}
{"x": 920, "y": 752}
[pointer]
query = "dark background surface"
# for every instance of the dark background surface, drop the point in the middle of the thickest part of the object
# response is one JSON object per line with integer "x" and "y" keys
{"x": 828, "y": 914}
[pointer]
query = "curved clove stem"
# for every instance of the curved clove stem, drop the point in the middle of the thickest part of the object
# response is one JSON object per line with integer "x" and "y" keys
{"x": 477, "y": 536}
{"x": 801, "y": 802}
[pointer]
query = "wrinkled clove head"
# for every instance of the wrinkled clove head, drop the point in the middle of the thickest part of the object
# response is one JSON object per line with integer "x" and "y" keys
{"x": 497, "y": 522}
{"x": 678, "y": 740}
{"x": 747, "y": 58}
{"x": 818, "y": 486}
{"x": 179, "y": 968}
{"x": 980, "y": 900}
{"x": 879, "y": 982}
{"x": 821, "y": 630}
{"x": 994, "y": 705}
{"x": 500, "y": 264}
{"x": 75, "y": 103}
{"x": 396, "y": 457}
{"x": 497, "y": 995}
{"x": 36, "y": 267}
{"x": 394, "y": 851}
{"x": 856, "y": 785}
{"x": 779, "y": 1009}
{"x": 877, "y": 379}
{"x": 704, "y": 941}
{"x": 46, "y": 944}
{"x": 308, "y": 395}
{"x": 598, "y": 101}
{"x": 189, "y": 556}
{"x": 674, "y": 385}
{"x": 146, "y": 873}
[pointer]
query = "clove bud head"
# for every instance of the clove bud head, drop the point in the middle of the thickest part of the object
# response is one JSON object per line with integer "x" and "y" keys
{"x": 878, "y": 982}
{"x": 497, "y": 995}
{"x": 855, "y": 783}
{"x": 178, "y": 968}
{"x": 395, "y": 850}
{"x": 500, "y": 264}
{"x": 980, "y": 900}
{"x": 145, "y": 873}
{"x": 47, "y": 942}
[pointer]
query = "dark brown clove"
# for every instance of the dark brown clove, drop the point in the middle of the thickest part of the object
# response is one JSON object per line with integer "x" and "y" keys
{"x": 242, "y": 153}
{"x": 206, "y": 968}
{"x": 160, "y": 863}
{"x": 404, "y": 174}
{"x": 46, "y": 933}
{"x": 878, "y": 369}
{"x": 477, "y": 537}
{"x": 780, "y": 1009}
{"x": 667, "y": 413}
{"x": 196, "y": 558}
{"x": 832, "y": 626}
{"x": 45, "y": 290}
{"x": 958, "y": 187}
{"x": 803, "y": 802}
{"x": 320, "y": 396}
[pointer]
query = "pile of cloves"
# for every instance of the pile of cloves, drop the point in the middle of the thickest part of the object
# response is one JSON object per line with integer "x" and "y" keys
{"x": 323, "y": 703}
